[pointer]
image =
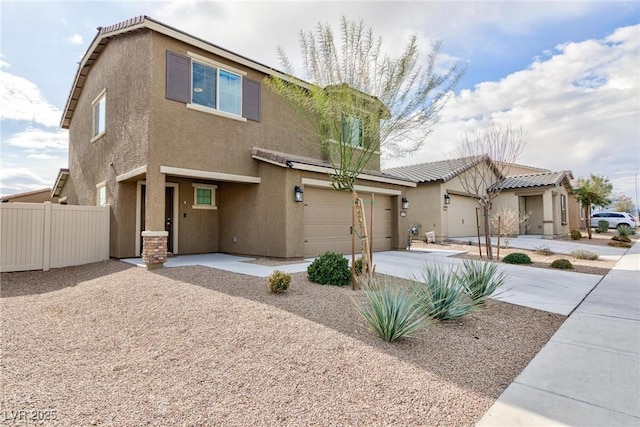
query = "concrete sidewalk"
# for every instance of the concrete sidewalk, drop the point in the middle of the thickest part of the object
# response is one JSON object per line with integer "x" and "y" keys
{"x": 557, "y": 246}
{"x": 588, "y": 374}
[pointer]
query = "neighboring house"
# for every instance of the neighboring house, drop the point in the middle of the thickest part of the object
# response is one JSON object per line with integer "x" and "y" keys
{"x": 441, "y": 204}
{"x": 544, "y": 196}
{"x": 194, "y": 154}
{"x": 37, "y": 196}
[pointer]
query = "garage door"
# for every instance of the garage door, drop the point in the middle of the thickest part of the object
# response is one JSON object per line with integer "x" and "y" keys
{"x": 327, "y": 221}
{"x": 462, "y": 216}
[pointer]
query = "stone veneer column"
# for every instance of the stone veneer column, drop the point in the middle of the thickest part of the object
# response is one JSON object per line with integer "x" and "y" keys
{"x": 154, "y": 248}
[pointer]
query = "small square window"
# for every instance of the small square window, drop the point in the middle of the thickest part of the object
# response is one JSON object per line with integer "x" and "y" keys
{"x": 204, "y": 196}
{"x": 99, "y": 115}
{"x": 352, "y": 131}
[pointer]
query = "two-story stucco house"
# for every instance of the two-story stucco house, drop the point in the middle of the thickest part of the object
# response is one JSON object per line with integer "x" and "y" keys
{"x": 194, "y": 154}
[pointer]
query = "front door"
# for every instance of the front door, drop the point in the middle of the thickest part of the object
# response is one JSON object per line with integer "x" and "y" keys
{"x": 168, "y": 214}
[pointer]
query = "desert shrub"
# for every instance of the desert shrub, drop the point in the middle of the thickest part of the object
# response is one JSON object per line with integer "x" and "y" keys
{"x": 330, "y": 268}
{"x": 584, "y": 254}
{"x": 603, "y": 226}
{"x": 621, "y": 238}
{"x": 279, "y": 282}
{"x": 480, "y": 280}
{"x": 517, "y": 258}
{"x": 441, "y": 294}
{"x": 575, "y": 234}
{"x": 544, "y": 250}
{"x": 391, "y": 310}
{"x": 619, "y": 244}
{"x": 625, "y": 231}
{"x": 563, "y": 264}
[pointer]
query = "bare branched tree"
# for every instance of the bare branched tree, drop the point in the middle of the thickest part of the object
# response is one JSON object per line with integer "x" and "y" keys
{"x": 361, "y": 102}
{"x": 509, "y": 222}
{"x": 499, "y": 147}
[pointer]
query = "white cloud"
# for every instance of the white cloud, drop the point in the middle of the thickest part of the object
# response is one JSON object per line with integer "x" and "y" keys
{"x": 23, "y": 101}
{"x": 579, "y": 108}
{"x": 41, "y": 156}
{"x": 76, "y": 39}
{"x": 37, "y": 139}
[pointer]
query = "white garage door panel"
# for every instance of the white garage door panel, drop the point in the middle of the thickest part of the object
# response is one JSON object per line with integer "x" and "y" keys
{"x": 327, "y": 221}
{"x": 462, "y": 216}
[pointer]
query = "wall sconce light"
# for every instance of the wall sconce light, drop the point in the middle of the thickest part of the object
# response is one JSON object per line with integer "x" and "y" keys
{"x": 297, "y": 191}
{"x": 447, "y": 199}
{"x": 405, "y": 203}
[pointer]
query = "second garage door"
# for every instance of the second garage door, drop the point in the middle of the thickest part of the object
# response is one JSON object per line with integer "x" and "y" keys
{"x": 462, "y": 216}
{"x": 327, "y": 221}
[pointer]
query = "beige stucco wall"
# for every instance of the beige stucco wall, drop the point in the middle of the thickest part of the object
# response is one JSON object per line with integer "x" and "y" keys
{"x": 32, "y": 197}
{"x": 143, "y": 128}
{"x": 123, "y": 70}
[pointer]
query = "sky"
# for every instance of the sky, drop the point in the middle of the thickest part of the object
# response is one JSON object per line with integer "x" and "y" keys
{"x": 567, "y": 72}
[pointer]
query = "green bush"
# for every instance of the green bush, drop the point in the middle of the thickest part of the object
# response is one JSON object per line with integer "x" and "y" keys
{"x": 584, "y": 254}
{"x": 517, "y": 258}
{"x": 330, "y": 268}
{"x": 618, "y": 244}
{"x": 279, "y": 282}
{"x": 391, "y": 310}
{"x": 575, "y": 234}
{"x": 603, "y": 226}
{"x": 626, "y": 231}
{"x": 480, "y": 280}
{"x": 441, "y": 294}
{"x": 621, "y": 238}
{"x": 563, "y": 264}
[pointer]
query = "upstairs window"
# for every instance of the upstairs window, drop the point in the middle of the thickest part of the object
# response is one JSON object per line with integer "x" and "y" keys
{"x": 99, "y": 115}
{"x": 352, "y": 131}
{"x": 216, "y": 88}
{"x": 209, "y": 86}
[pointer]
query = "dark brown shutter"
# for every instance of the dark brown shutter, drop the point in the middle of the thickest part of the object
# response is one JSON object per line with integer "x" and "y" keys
{"x": 178, "y": 77}
{"x": 251, "y": 99}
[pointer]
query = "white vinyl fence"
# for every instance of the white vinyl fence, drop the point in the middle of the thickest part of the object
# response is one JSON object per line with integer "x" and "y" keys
{"x": 39, "y": 236}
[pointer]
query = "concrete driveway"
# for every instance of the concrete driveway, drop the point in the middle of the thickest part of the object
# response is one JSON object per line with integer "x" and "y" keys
{"x": 543, "y": 289}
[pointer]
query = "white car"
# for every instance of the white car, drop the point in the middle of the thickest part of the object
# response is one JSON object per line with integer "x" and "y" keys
{"x": 615, "y": 219}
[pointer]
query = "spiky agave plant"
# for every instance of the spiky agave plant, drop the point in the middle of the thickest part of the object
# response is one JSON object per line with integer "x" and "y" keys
{"x": 390, "y": 309}
{"x": 480, "y": 280}
{"x": 440, "y": 294}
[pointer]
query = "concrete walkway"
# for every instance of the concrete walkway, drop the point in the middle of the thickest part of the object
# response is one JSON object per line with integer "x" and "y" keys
{"x": 554, "y": 291}
{"x": 588, "y": 374}
{"x": 558, "y": 246}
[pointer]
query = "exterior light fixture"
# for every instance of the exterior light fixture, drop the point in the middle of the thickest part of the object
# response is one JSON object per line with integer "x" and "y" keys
{"x": 405, "y": 203}
{"x": 447, "y": 199}
{"x": 297, "y": 191}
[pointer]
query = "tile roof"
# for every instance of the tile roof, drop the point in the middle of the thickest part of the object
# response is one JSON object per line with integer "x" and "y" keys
{"x": 544, "y": 179}
{"x": 289, "y": 160}
{"x": 442, "y": 170}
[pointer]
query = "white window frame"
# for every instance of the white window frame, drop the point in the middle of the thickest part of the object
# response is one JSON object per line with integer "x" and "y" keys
{"x": 213, "y": 189}
{"x": 101, "y": 194}
{"x": 563, "y": 210}
{"x": 99, "y": 127}
{"x": 202, "y": 60}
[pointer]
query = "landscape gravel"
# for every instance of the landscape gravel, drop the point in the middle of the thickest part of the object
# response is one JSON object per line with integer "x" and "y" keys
{"x": 112, "y": 344}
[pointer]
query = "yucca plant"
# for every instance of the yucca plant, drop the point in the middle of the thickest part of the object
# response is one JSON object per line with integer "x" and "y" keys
{"x": 480, "y": 280}
{"x": 390, "y": 309}
{"x": 441, "y": 295}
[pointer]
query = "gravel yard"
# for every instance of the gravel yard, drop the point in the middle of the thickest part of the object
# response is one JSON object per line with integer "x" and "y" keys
{"x": 112, "y": 344}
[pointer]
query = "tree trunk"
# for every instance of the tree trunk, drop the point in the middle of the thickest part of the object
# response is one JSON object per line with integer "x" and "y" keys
{"x": 487, "y": 231}
{"x": 367, "y": 268}
{"x": 588, "y": 221}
